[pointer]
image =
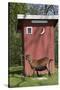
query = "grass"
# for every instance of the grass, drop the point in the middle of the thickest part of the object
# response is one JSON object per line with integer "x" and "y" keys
{"x": 15, "y": 70}
{"x": 20, "y": 81}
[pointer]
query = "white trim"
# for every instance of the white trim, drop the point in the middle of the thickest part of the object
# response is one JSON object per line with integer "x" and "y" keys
{"x": 27, "y": 30}
{"x": 22, "y": 16}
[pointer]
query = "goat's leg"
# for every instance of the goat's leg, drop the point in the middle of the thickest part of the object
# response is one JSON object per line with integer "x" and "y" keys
{"x": 48, "y": 68}
{"x": 33, "y": 72}
{"x": 48, "y": 72}
{"x": 37, "y": 73}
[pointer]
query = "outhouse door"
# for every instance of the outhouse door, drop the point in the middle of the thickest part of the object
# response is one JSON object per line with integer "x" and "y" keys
{"x": 38, "y": 42}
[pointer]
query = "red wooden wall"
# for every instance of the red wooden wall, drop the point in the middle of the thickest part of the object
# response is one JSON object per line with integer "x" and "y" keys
{"x": 39, "y": 46}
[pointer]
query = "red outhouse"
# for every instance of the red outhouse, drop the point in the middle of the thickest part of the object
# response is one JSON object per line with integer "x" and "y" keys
{"x": 38, "y": 38}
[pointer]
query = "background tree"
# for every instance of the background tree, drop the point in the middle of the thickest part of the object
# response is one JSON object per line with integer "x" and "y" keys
{"x": 42, "y": 9}
{"x": 15, "y": 40}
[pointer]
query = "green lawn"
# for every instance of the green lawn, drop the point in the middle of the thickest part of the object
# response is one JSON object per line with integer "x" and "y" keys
{"x": 17, "y": 80}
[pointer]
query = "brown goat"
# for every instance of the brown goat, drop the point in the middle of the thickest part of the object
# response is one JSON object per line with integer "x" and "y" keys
{"x": 38, "y": 65}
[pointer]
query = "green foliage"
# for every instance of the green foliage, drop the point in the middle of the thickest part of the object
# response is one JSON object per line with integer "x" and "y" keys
{"x": 17, "y": 68}
{"x": 56, "y": 44}
{"x": 15, "y": 39}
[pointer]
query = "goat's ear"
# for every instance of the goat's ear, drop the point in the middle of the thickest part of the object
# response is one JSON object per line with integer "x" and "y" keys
{"x": 26, "y": 57}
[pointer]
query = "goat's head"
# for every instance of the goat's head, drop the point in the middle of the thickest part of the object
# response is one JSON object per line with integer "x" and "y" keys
{"x": 28, "y": 57}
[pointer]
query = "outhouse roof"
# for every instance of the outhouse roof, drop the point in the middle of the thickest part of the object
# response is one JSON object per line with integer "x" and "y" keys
{"x": 22, "y": 16}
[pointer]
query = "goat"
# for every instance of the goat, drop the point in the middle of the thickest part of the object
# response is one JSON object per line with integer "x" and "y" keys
{"x": 38, "y": 65}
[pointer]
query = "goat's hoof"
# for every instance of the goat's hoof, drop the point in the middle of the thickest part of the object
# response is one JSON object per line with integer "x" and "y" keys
{"x": 49, "y": 74}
